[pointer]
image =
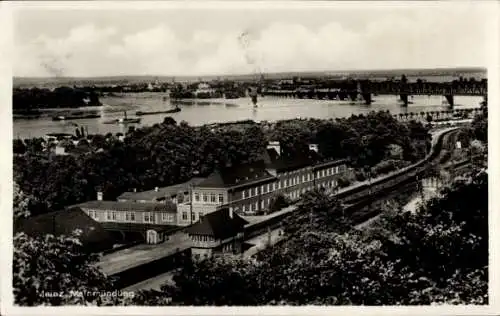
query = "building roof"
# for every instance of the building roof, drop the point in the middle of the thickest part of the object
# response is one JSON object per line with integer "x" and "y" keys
{"x": 237, "y": 176}
{"x": 129, "y": 206}
{"x": 300, "y": 160}
{"x": 218, "y": 224}
{"x": 282, "y": 163}
{"x": 152, "y": 195}
{"x": 64, "y": 222}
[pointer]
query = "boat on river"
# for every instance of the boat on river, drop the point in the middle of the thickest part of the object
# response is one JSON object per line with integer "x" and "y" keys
{"x": 175, "y": 110}
{"x": 70, "y": 116}
{"x": 124, "y": 120}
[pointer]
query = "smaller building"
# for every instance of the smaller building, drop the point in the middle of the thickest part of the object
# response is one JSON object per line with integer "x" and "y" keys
{"x": 93, "y": 237}
{"x": 132, "y": 221}
{"x": 217, "y": 233}
{"x": 204, "y": 90}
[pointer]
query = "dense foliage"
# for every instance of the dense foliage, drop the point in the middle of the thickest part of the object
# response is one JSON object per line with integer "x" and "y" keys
{"x": 437, "y": 255}
{"x": 365, "y": 139}
{"x": 56, "y": 271}
{"x": 169, "y": 153}
{"x": 27, "y": 100}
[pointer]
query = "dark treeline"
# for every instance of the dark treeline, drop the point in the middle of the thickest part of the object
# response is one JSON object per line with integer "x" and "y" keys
{"x": 29, "y": 100}
{"x": 169, "y": 153}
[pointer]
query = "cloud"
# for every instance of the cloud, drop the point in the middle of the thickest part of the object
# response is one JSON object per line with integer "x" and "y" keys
{"x": 430, "y": 39}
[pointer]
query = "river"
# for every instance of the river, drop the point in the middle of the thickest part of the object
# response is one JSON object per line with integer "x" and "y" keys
{"x": 220, "y": 110}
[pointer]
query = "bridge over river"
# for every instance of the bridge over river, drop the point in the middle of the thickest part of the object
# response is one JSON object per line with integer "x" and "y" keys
{"x": 362, "y": 90}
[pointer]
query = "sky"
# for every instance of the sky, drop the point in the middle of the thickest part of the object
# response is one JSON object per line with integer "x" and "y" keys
{"x": 208, "y": 41}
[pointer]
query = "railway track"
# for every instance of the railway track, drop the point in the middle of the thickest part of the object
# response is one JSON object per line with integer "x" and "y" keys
{"x": 399, "y": 182}
{"x": 357, "y": 198}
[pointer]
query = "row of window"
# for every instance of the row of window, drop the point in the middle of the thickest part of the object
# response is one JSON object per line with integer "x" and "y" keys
{"x": 193, "y": 216}
{"x": 147, "y": 217}
{"x": 202, "y": 238}
{"x": 209, "y": 198}
{"x": 295, "y": 194}
{"x": 330, "y": 171}
{"x": 285, "y": 183}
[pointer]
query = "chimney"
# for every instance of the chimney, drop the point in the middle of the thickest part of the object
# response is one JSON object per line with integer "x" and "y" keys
{"x": 276, "y": 146}
{"x": 99, "y": 196}
{"x": 157, "y": 189}
{"x": 314, "y": 147}
{"x": 231, "y": 212}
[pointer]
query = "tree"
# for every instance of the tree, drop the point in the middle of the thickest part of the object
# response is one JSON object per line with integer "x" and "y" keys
{"x": 169, "y": 121}
{"x": 19, "y": 147}
{"x": 56, "y": 271}
{"x": 21, "y": 204}
{"x": 317, "y": 211}
{"x": 278, "y": 202}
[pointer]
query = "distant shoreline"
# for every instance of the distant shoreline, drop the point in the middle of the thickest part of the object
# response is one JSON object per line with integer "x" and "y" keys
{"x": 480, "y": 72}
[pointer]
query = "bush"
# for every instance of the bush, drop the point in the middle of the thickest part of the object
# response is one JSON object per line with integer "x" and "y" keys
{"x": 360, "y": 176}
{"x": 343, "y": 182}
{"x": 278, "y": 203}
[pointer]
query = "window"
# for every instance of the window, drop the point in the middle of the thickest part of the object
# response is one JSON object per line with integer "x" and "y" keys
{"x": 274, "y": 186}
{"x": 205, "y": 197}
{"x": 197, "y": 197}
{"x": 317, "y": 174}
{"x": 262, "y": 204}
{"x": 303, "y": 178}
{"x": 108, "y": 215}
{"x": 166, "y": 217}
{"x": 193, "y": 216}
{"x": 113, "y": 214}
{"x": 244, "y": 208}
{"x": 337, "y": 169}
{"x": 130, "y": 216}
{"x": 221, "y": 198}
{"x": 184, "y": 216}
{"x": 200, "y": 215}
{"x": 279, "y": 185}
{"x": 243, "y": 194}
{"x": 268, "y": 187}
{"x": 256, "y": 192}
{"x": 148, "y": 217}
{"x": 286, "y": 183}
{"x": 212, "y": 198}
{"x": 256, "y": 206}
